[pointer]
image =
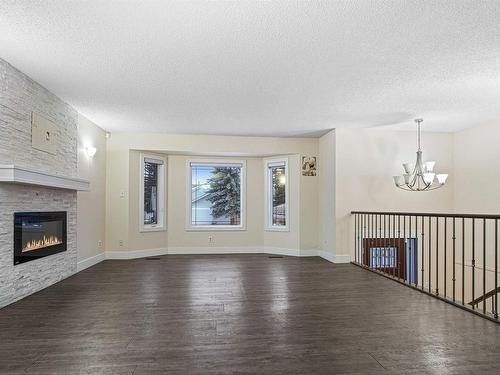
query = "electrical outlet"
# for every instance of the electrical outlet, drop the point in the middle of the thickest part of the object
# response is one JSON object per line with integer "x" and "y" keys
{"x": 211, "y": 239}
{"x": 99, "y": 243}
{"x": 120, "y": 242}
{"x": 122, "y": 193}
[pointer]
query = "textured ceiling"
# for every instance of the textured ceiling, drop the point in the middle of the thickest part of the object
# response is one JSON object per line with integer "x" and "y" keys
{"x": 262, "y": 68}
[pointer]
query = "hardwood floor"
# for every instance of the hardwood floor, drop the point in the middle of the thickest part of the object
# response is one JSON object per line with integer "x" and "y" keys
{"x": 247, "y": 314}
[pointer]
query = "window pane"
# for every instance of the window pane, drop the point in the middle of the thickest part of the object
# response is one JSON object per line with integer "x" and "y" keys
{"x": 278, "y": 181}
{"x": 215, "y": 195}
{"x": 383, "y": 257}
{"x": 151, "y": 193}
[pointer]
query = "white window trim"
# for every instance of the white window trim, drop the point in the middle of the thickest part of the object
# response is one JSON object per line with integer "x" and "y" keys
{"x": 268, "y": 195}
{"x": 162, "y": 219}
{"x": 217, "y": 163}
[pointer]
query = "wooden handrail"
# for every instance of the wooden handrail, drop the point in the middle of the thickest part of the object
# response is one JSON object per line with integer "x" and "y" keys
{"x": 430, "y": 214}
{"x": 491, "y": 293}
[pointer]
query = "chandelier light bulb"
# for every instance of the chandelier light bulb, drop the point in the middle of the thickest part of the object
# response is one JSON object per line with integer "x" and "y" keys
{"x": 429, "y": 178}
{"x": 408, "y": 167}
{"x": 398, "y": 180}
{"x": 429, "y": 166}
{"x": 442, "y": 178}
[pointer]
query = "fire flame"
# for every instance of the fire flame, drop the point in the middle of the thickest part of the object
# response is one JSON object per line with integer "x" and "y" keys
{"x": 39, "y": 244}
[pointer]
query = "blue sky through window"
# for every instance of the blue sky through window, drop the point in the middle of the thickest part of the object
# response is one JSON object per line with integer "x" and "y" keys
{"x": 200, "y": 175}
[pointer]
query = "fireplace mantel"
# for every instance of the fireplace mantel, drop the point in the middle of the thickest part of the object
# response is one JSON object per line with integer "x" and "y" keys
{"x": 21, "y": 175}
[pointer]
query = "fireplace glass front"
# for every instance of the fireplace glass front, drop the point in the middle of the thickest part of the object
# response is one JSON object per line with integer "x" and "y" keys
{"x": 38, "y": 234}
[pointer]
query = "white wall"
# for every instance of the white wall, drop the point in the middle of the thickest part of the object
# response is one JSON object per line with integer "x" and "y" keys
{"x": 122, "y": 192}
{"x": 366, "y": 160}
{"x": 179, "y": 237}
{"x": 476, "y": 172}
{"x": 91, "y": 211}
{"x": 476, "y": 179}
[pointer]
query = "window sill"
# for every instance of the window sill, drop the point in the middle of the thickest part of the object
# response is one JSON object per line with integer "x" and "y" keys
{"x": 152, "y": 229}
{"x": 277, "y": 229}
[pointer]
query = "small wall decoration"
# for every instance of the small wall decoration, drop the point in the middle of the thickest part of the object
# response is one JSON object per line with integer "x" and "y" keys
{"x": 43, "y": 134}
{"x": 309, "y": 165}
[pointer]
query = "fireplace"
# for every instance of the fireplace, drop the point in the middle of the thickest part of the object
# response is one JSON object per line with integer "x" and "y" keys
{"x": 38, "y": 234}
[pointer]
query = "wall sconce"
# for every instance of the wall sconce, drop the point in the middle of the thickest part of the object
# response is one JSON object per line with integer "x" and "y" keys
{"x": 90, "y": 151}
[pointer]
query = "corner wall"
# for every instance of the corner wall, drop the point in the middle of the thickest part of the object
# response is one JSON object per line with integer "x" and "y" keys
{"x": 327, "y": 193}
{"x": 91, "y": 204}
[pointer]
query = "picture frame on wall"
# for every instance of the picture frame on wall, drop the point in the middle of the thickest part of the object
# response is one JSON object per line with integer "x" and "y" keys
{"x": 309, "y": 166}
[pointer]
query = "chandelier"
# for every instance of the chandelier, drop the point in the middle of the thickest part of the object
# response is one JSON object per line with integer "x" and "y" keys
{"x": 420, "y": 176}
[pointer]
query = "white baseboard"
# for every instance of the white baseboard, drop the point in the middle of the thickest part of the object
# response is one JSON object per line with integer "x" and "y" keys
{"x": 243, "y": 250}
{"x": 89, "y": 262}
{"x": 227, "y": 250}
{"x": 309, "y": 253}
{"x": 214, "y": 250}
{"x": 134, "y": 254}
{"x": 280, "y": 251}
{"x": 333, "y": 257}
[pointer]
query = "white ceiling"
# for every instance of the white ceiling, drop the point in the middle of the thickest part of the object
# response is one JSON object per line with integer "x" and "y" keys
{"x": 262, "y": 68}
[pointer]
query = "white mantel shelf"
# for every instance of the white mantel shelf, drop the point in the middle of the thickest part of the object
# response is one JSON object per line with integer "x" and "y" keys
{"x": 20, "y": 175}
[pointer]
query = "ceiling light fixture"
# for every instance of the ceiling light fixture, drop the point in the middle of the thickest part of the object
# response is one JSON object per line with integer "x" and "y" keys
{"x": 420, "y": 176}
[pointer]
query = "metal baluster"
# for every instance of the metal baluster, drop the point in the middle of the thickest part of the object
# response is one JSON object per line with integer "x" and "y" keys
{"x": 361, "y": 233}
{"x": 363, "y": 239}
{"x": 415, "y": 263}
{"x": 355, "y": 237}
{"x": 397, "y": 254}
{"x": 473, "y": 260}
{"x": 445, "y": 251}
{"x": 361, "y": 236}
{"x": 386, "y": 235}
{"x": 404, "y": 240}
{"x": 394, "y": 247}
{"x": 463, "y": 261}
{"x": 454, "y": 243}
{"x": 423, "y": 247}
{"x": 373, "y": 261}
{"x": 437, "y": 256}
{"x": 496, "y": 269}
{"x": 407, "y": 248}
{"x": 384, "y": 247}
{"x": 370, "y": 241}
{"x": 484, "y": 266}
{"x": 366, "y": 236}
{"x": 430, "y": 253}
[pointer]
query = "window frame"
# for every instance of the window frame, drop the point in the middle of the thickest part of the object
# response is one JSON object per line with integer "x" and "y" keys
{"x": 215, "y": 163}
{"x": 162, "y": 196}
{"x": 268, "y": 194}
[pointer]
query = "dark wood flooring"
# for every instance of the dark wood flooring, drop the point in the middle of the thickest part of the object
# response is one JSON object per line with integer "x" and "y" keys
{"x": 240, "y": 314}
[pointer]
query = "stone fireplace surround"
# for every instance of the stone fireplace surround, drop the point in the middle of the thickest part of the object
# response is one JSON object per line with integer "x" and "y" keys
{"x": 19, "y": 97}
